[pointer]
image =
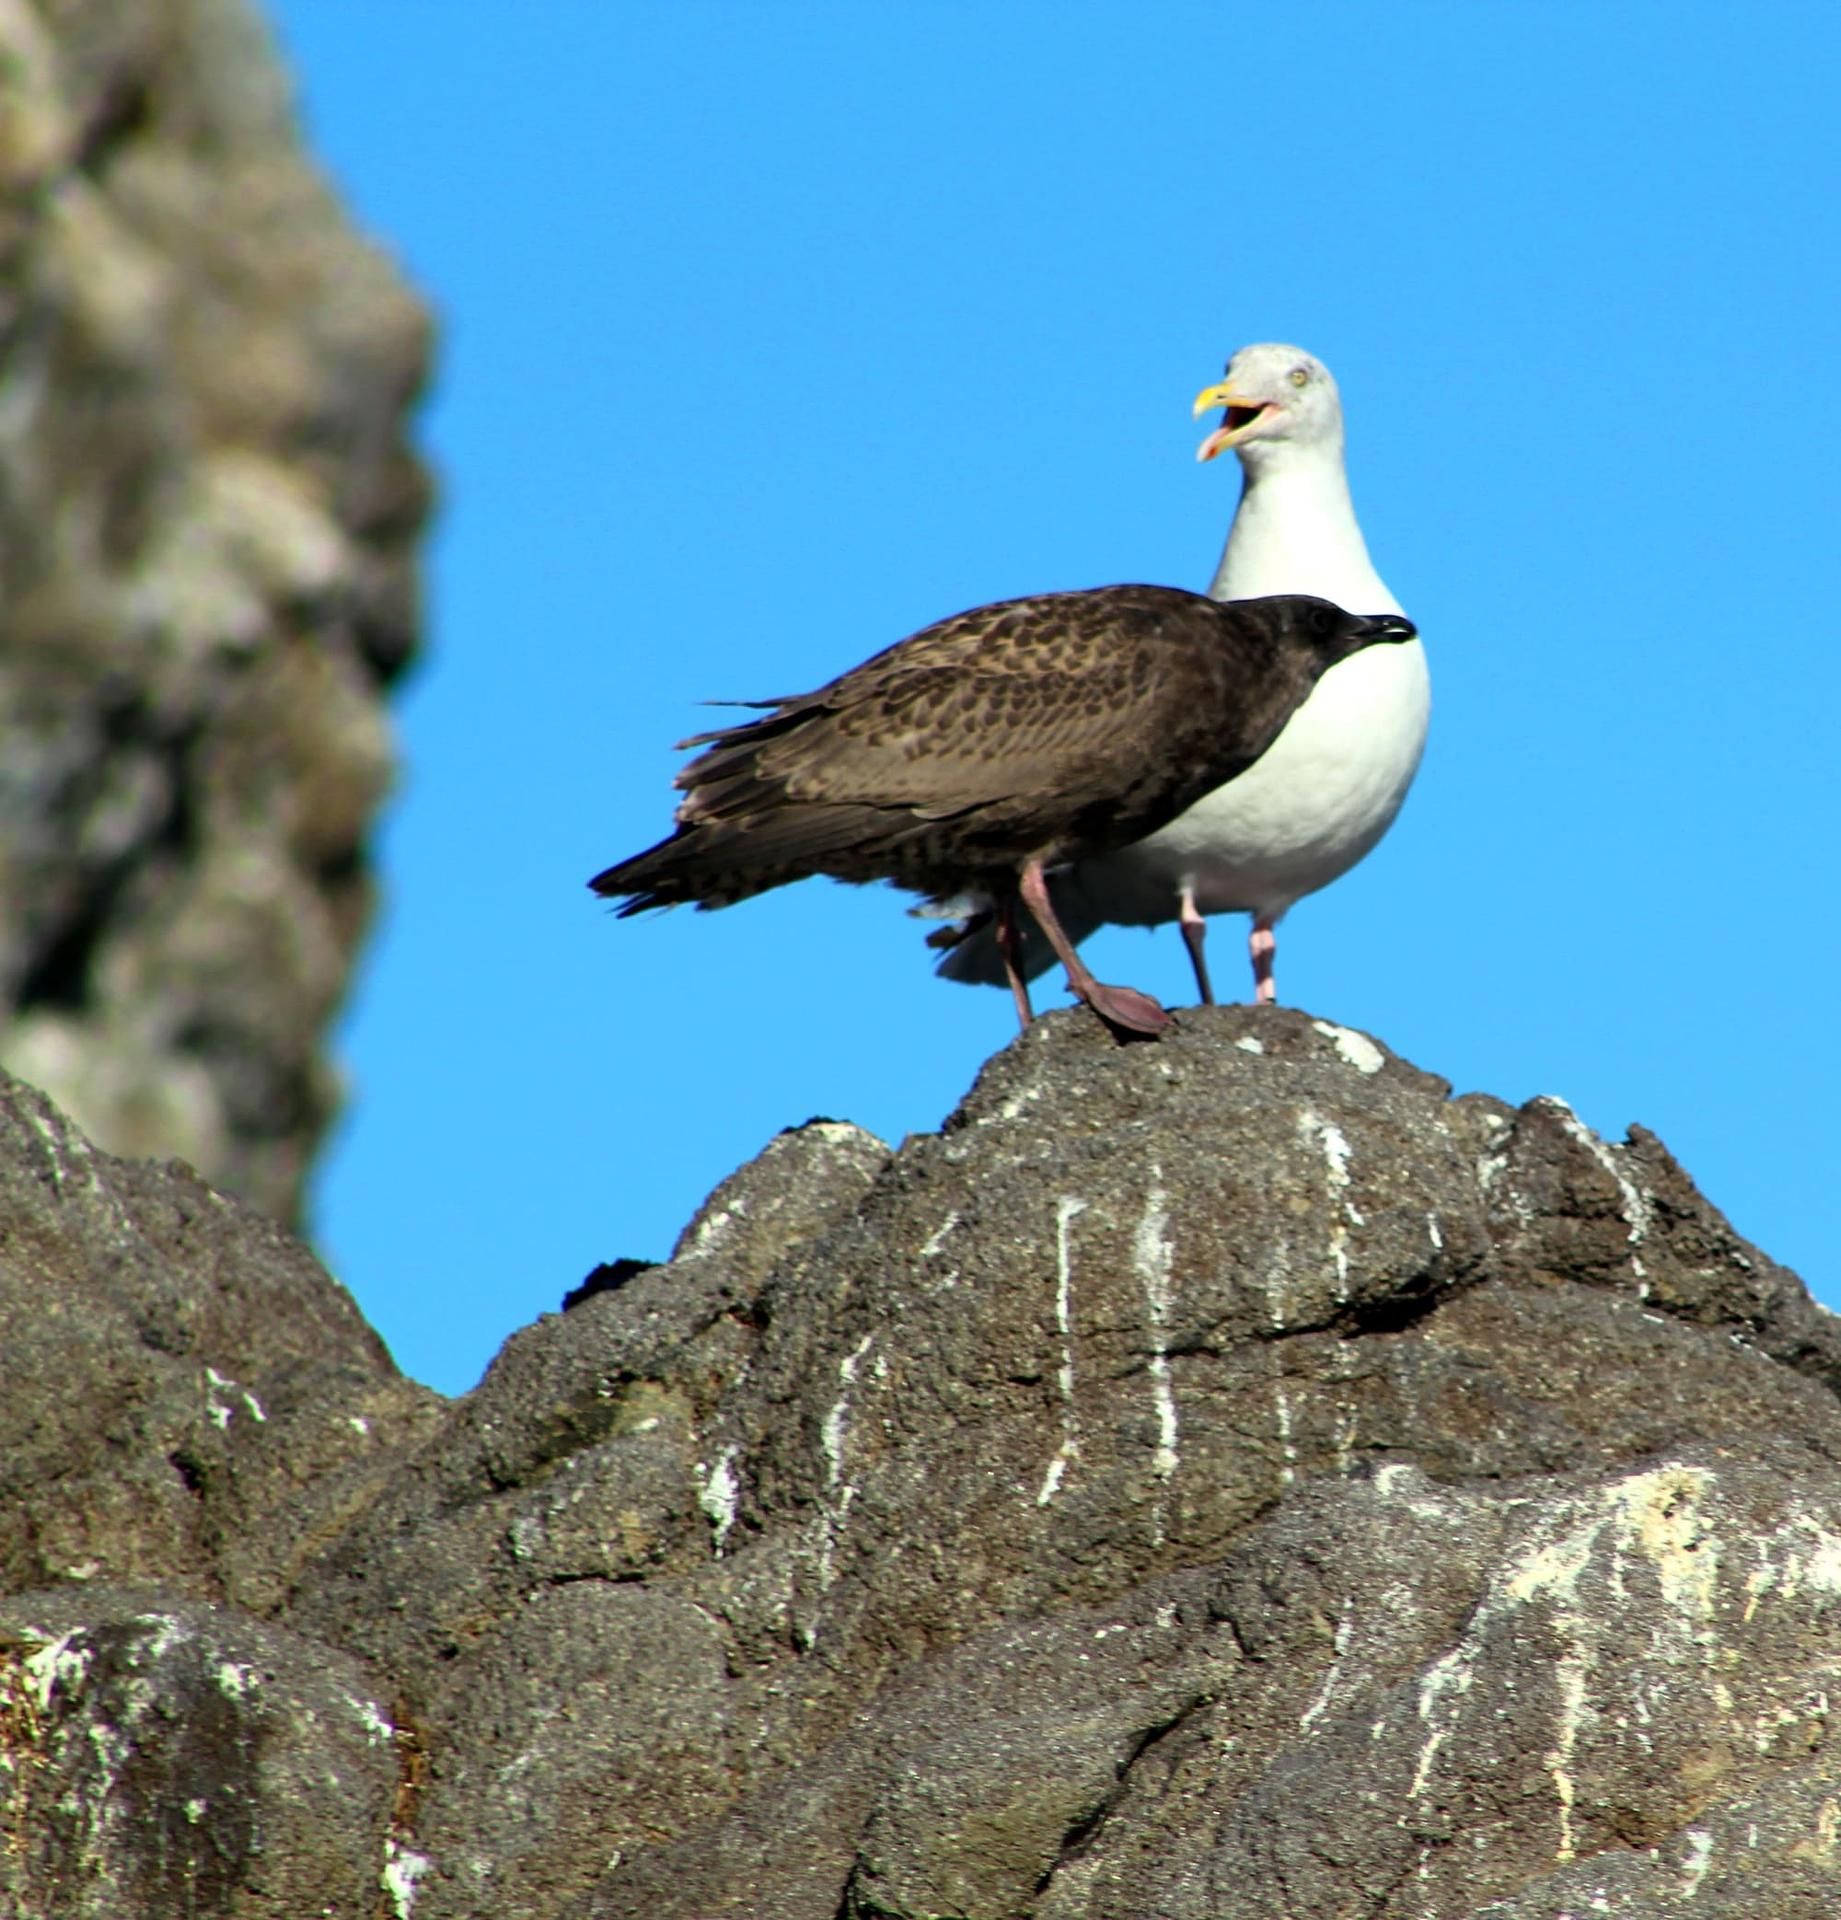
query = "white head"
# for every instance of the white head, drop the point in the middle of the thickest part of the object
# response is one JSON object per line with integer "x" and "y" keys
{"x": 1278, "y": 399}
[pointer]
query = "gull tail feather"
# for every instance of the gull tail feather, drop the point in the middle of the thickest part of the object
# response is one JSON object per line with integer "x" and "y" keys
{"x": 714, "y": 863}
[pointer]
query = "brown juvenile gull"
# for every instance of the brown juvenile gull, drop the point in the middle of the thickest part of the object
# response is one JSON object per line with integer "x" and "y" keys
{"x": 1328, "y": 789}
{"x": 973, "y": 756}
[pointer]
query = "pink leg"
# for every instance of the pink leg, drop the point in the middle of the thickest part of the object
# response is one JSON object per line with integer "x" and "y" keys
{"x": 1262, "y": 944}
{"x": 1122, "y": 1008}
{"x": 1195, "y": 935}
{"x": 1010, "y": 945}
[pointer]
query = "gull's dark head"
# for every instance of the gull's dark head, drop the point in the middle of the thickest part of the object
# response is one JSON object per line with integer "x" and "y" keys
{"x": 1317, "y": 630}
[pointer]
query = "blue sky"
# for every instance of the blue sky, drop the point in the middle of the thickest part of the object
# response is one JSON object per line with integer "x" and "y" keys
{"x": 771, "y": 333}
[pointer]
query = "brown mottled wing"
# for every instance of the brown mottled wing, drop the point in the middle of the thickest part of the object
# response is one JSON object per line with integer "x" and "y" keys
{"x": 1025, "y": 706}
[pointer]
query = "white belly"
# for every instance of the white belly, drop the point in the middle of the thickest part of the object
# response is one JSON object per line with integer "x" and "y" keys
{"x": 1313, "y": 804}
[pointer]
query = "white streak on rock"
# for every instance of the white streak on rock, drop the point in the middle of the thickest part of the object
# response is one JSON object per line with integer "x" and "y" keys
{"x": 1356, "y": 1048}
{"x": 1574, "y": 1669}
{"x": 1347, "y": 1414}
{"x": 716, "y": 1228}
{"x": 167, "y": 1633}
{"x": 402, "y": 1869}
{"x": 839, "y": 1494}
{"x": 937, "y": 1238}
{"x": 111, "y": 1746}
{"x": 1493, "y": 1164}
{"x": 219, "y": 1412}
{"x": 1828, "y": 1828}
{"x": 1151, "y": 1251}
{"x": 56, "y": 1668}
{"x": 1345, "y": 1632}
{"x": 1635, "y": 1207}
{"x": 1024, "y": 1097}
{"x": 377, "y": 1729}
{"x": 1051, "y": 1480}
{"x": 837, "y": 1420}
{"x": 1661, "y": 1514}
{"x": 1247, "y": 1044}
{"x": 525, "y": 1536}
{"x": 1451, "y": 1674}
{"x": 235, "y": 1679}
{"x": 1817, "y": 1564}
{"x": 71, "y": 1151}
{"x": 1067, "y": 1209}
{"x": 717, "y": 1495}
{"x": 1700, "y": 1858}
{"x": 49, "y": 1135}
{"x": 1656, "y": 1519}
{"x": 215, "y": 1408}
{"x": 1282, "y": 1411}
{"x": 1337, "y": 1154}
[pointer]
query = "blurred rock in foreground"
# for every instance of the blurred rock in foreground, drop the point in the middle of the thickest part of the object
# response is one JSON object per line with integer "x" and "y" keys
{"x": 207, "y": 583}
{"x": 1222, "y": 1478}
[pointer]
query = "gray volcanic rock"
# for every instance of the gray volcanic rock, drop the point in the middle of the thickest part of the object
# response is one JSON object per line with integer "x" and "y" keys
{"x": 173, "y": 1759}
{"x": 207, "y": 521}
{"x": 577, "y": 1457}
{"x": 1222, "y": 1478}
{"x": 185, "y": 1397}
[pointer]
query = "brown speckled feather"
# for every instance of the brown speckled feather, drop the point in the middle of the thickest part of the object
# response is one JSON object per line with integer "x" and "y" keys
{"x": 1043, "y": 729}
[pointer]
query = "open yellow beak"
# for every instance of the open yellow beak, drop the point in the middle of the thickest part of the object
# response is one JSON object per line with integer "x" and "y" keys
{"x": 1241, "y": 415}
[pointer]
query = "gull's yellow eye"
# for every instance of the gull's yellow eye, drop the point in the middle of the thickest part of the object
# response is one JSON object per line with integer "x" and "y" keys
{"x": 1300, "y": 376}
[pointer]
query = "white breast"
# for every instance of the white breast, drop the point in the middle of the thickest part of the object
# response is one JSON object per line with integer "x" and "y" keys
{"x": 1326, "y": 790}
{"x": 1313, "y": 804}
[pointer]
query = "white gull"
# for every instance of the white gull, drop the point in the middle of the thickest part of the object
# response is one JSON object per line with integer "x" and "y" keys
{"x": 1329, "y": 786}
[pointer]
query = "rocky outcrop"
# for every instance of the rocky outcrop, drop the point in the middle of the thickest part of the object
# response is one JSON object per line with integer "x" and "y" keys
{"x": 1228, "y": 1477}
{"x": 207, "y": 583}
{"x": 185, "y": 1399}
